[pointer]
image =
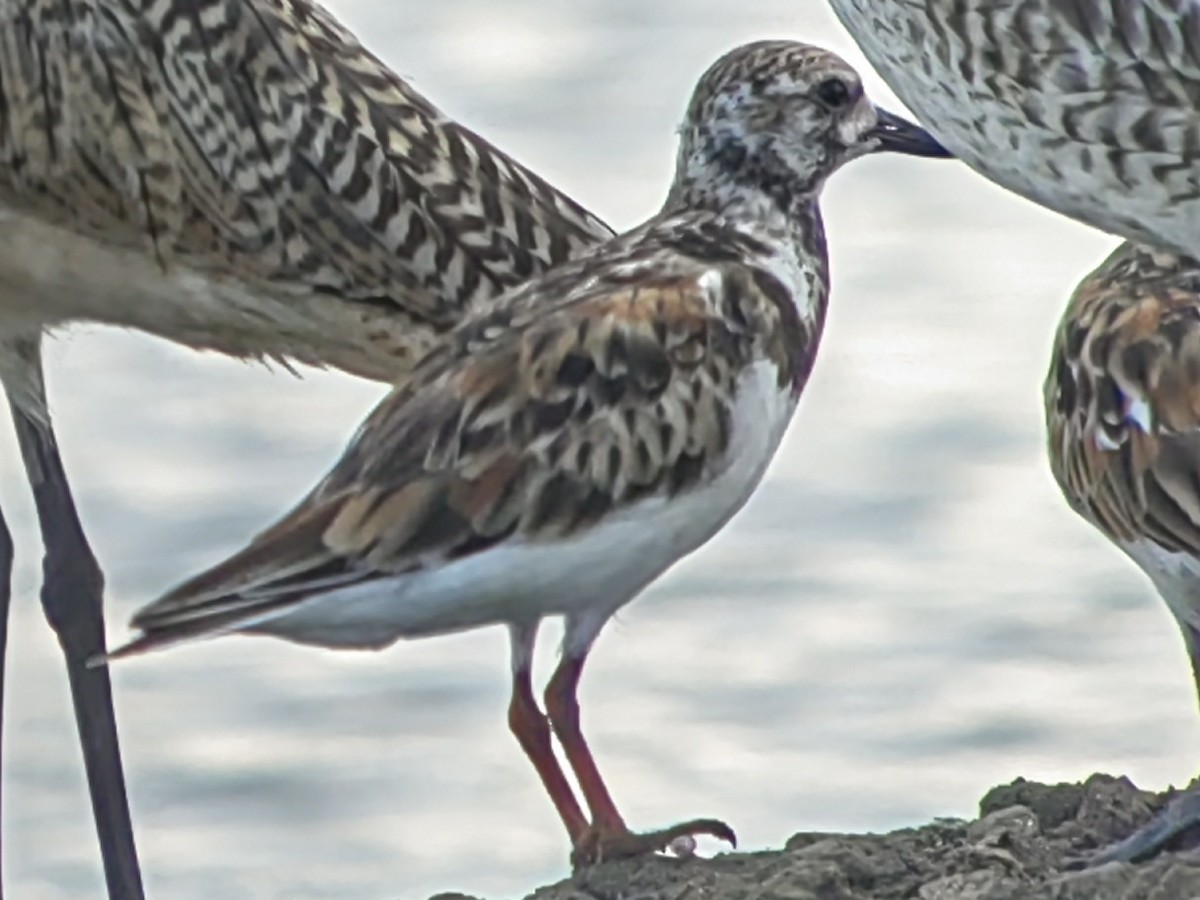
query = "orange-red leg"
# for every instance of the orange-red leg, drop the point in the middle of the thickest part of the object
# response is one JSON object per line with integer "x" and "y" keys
{"x": 562, "y": 708}
{"x": 608, "y": 837}
{"x": 532, "y": 731}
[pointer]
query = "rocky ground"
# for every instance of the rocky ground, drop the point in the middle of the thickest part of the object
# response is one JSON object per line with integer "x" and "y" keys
{"x": 1019, "y": 848}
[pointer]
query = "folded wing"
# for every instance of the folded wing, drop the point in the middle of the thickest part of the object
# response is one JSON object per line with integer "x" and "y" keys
{"x": 527, "y": 432}
{"x": 1123, "y": 399}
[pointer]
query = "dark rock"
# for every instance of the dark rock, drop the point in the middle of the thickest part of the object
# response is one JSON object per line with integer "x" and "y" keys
{"x": 1019, "y": 849}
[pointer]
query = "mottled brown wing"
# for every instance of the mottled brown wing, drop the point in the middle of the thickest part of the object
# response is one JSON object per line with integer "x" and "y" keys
{"x": 258, "y": 136}
{"x": 532, "y": 434}
{"x": 1123, "y": 399}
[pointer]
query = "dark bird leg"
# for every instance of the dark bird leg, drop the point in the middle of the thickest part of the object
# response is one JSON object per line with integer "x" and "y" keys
{"x": 6, "y": 563}
{"x": 72, "y": 593}
{"x": 608, "y": 837}
{"x": 1180, "y": 815}
{"x": 529, "y": 725}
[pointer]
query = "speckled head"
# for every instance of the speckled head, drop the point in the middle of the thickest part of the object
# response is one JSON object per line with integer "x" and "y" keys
{"x": 779, "y": 117}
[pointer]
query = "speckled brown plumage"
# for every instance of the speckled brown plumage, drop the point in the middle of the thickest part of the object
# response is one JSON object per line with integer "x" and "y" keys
{"x": 1123, "y": 399}
{"x": 565, "y": 445}
{"x": 533, "y": 424}
{"x": 1123, "y": 415}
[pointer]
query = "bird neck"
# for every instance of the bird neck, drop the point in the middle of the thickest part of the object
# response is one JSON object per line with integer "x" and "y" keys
{"x": 795, "y": 231}
{"x": 726, "y": 173}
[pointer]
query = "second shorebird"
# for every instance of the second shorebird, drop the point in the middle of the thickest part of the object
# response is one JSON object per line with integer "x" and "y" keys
{"x": 564, "y": 448}
{"x": 1123, "y": 416}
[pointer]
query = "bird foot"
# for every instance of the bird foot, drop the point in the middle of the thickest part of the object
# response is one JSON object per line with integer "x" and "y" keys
{"x": 598, "y": 845}
{"x": 1180, "y": 815}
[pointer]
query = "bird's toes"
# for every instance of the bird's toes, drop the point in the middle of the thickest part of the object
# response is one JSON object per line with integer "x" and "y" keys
{"x": 600, "y": 845}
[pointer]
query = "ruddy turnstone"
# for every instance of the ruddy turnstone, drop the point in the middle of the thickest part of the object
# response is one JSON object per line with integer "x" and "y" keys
{"x": 567, "y": 446}
{"x": 1123, "y": 416}
{"x": 1088, "y": 107}
{"x": 233, "y": 175}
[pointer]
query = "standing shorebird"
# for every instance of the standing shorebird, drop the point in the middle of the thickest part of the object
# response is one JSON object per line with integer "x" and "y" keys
{"x": 1088, "y": 107}
{"x": 234, "y": 175}
{"x": 564, "y": 448}
{"x": 1123, "y": 417}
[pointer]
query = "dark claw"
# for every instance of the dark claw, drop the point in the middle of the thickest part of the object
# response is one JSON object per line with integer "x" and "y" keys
{"x": 599, "y": 846}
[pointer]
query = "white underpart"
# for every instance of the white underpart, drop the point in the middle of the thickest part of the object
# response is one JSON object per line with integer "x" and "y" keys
{"x": 589, "y": 576}
{"x": 50, "y": 276}
{"x": 1137, "y": 410}
{"x": 1175, "y": 575}
{"x": 711, "y": 282}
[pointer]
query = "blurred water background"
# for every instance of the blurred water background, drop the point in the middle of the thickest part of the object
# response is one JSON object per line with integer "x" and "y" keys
{"x": 904, "y": 615}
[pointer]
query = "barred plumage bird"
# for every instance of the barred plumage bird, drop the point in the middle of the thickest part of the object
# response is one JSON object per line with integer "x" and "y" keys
{"x": 235, "y": 175}
{"x": 566, "y": 446}
{"x": 1087, "y": 107}
{"x": 1090, "y": 108}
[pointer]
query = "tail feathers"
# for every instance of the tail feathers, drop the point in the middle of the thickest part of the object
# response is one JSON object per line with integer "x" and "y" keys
{"x": 234, "y": 618}
{"x": 285, "y": 552}
{"x": 280, "y": 568}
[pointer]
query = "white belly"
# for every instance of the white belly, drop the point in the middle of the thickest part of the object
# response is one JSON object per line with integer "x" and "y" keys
{"x": 601, "y": 570}
{"x": 51, "y": 276}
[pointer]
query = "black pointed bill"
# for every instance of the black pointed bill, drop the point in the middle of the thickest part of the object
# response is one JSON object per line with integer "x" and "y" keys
{"x": 898, "y": 135}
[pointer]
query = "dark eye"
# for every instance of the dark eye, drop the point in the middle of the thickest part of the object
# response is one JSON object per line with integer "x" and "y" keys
{"x": 833, "y": 92}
